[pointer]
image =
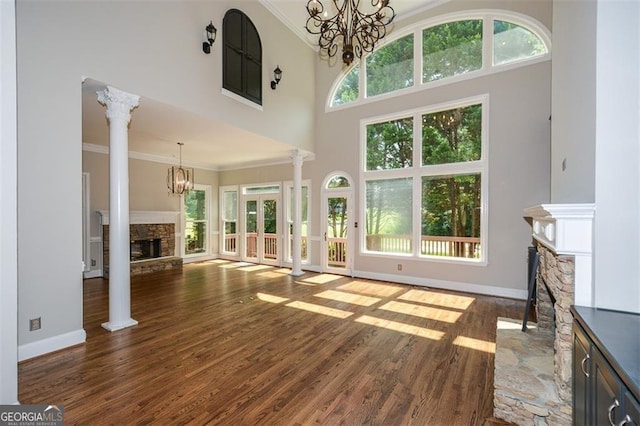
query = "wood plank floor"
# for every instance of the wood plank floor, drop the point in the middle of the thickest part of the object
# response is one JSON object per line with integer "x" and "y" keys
{"x": 231, "y": 343}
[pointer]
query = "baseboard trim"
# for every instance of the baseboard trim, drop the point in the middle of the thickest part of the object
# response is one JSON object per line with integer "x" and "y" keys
{"x": 446, "y": 285}
{"x": 51, "y": 344}
{"x": 93, "y": 274}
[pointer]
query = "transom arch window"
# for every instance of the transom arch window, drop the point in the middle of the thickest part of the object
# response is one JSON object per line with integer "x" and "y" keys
{"x": 451, "y": 48}
{"x": 242, "y": 56}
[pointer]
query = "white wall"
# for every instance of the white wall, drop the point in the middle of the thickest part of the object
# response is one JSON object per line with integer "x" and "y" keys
{"x": 617, "y": 175}
{"x": 573, "y": 105}
{"x": 8, "y": 220}
{"x": 151, "y": 49}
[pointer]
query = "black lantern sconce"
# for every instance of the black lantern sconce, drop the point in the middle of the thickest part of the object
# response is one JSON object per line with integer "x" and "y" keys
{"x": 277, "y": 75}
{"x": 211, "y": 37}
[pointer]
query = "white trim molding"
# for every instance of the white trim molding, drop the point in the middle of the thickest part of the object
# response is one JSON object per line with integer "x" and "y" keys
{"x": 567, "y": 229}
{"x": 51, "y": 344}
{"x": 144, "y": 217}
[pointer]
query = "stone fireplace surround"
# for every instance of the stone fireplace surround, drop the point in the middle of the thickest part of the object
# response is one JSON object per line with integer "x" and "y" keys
{"x": 533, "y": 383}
{"x": 147, "y": 225}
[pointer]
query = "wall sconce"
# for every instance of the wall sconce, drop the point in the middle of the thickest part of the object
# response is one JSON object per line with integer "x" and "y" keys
{"x": 211, "y": 37}
{"x": 277, "y": 75}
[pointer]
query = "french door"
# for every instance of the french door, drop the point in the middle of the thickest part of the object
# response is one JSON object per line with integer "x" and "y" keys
{"x": 262, "y": 242}
{"x": 336, "y": 241}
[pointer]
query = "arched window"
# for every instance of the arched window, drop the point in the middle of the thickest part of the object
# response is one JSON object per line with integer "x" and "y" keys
{"x": 453, "y": 47}
{"x": 242, "y": 57}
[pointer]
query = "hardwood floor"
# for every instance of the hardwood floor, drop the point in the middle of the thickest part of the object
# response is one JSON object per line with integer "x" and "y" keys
{"x": 229, "y": 343}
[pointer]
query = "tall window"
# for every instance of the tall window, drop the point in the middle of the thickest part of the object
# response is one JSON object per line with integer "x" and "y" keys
{"x": 196, "y": 223}
{"x": 305, "y": 220}
{"x": 451, "y": 47}
{"x": 423, "y": 183}
{"x": 242, "y": 56}
{"x": 229, "y": 218}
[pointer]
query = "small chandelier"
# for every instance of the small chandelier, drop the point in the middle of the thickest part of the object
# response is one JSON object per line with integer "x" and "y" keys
{"x": 179, "y": 179}
{"x": 359, "y": 31}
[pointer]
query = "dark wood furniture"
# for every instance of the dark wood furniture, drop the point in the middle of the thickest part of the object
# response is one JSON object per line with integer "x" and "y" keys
{"x": 606, "y": 367}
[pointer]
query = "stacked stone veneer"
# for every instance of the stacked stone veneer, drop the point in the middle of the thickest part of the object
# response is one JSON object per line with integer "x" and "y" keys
{"x": 558, "y": 272}
{"x": 164, "y": 231}
{"x": 532, "y": 378}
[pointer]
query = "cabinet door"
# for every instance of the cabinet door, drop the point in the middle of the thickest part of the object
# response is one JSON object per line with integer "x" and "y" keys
{"x": 581, "y": 373}
{"x": 632, "y": 410}
{"x": 607, "y": 391}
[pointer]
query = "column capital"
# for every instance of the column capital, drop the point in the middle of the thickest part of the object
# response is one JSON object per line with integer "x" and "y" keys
{"x": 297, "y": 157}
{"x": 119, "y": 104}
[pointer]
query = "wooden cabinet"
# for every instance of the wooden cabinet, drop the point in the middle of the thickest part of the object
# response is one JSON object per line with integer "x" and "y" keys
{"x": 604, "y": 392}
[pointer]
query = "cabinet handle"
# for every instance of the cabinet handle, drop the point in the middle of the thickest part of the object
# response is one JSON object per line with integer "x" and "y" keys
{"x": 585, "y": 359}
{"x": 610, "y": 411}
{"x": 626, "y": 421}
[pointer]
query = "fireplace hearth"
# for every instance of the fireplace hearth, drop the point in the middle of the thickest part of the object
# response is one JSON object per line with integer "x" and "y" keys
{"x": 541, "y": 357}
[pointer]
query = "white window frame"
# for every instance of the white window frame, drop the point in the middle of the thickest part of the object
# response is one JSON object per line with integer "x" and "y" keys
{"x": 287, "y": 207}
{"x": 487, "y": 15}
{"x": 208, "y": 201}
{"x": 221, "y": 225}
{"x": 417, "y": 172}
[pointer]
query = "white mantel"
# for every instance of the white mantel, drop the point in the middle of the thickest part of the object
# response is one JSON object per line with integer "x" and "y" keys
{"x": 144, "y": 217}
{"x": 567, "y": 229}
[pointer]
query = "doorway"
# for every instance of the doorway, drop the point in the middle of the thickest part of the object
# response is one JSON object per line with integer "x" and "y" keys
{"x": 262, "y": 229}
{"x": 337, "y": 224}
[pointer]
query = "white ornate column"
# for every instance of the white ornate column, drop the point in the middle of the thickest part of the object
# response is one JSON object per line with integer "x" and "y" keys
{"x": 296, "y": 248}
{"x": 119, "y": 105}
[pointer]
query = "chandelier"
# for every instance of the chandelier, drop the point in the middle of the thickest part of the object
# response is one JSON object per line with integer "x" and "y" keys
{"x": 179, "y": 179}
{"x": 360, "y": 31}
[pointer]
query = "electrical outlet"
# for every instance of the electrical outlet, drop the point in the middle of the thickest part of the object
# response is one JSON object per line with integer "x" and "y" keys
{"x": 35, "y": 324}
{"x": 93, "y": 262}
{"x": 399, "y": 266}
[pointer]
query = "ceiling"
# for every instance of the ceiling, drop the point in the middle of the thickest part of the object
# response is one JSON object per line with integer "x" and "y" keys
{"x": 157, "y": 127}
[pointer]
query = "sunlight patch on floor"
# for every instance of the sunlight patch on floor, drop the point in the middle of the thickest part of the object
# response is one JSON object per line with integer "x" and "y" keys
{"x": 270, "y": 274}
{"x": 370, "y": 288}
{"x": 254, "y": 268}
{"x": 236, "y": 265}
{"x": 318, "y": 309}
{"x": 271, "y": 298}
{"x": 440, "y": 299}
{"x": 355, "y": 299}
{"x": 401, "y": 327}
{"x": 422, "y": 311}
{"x": 477, "y": 344}
{"x": 321, "y": 279}
{"x": 218, "y": 261}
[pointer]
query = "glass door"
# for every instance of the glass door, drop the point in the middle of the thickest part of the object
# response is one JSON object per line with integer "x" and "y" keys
{"x": 261, "y": 231}
{"x": 336, "y": 247}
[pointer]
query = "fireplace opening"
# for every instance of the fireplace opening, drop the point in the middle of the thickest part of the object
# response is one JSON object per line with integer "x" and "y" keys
{"x": 145, "y": 249}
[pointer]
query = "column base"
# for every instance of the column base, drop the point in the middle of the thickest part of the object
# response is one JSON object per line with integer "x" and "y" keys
{"x": 110, "y": 326}
{"x": 296, "y": 273}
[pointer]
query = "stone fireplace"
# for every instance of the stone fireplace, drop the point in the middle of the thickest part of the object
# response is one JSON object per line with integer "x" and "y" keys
{"x": 533, "y": 383}
{"x": 152, "y": 241}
